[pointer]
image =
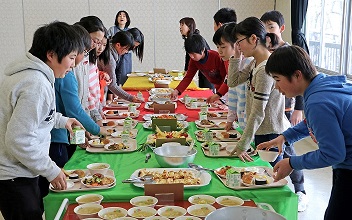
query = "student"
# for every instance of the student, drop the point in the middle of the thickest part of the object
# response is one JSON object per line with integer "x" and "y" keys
{"x": 327, "y": 107}
{"x": 121, "y": 43}
{"x": 27, "y": 115}
{"x": 224, "y": 15}
{"x": 138, "y": 38}
{"x": 274, "y": 23}
{"x": 122, "y": 23}
{"x": 86, "y": 72}
{"x": 264, "y": 104}
{"x": 207, "y": 61}
{"x": 187, "y": 28}
{"x": 225, "y": 43}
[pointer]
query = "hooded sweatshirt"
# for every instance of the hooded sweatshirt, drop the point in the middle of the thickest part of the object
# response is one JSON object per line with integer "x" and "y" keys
{"x": 328, "y": 110}
{"x": 27, "y": 115}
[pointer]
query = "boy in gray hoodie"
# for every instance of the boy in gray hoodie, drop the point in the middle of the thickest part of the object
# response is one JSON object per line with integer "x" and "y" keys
{"x": 27, "y": 115}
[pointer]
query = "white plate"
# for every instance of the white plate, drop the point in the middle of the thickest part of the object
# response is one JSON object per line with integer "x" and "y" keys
{"x": 205, "y": 126}
{"x": 204, "y": 176}
{"x": 148, "y": 125}
{"x": 97, "y": 145}
{"x": 103, "y": 186}
{"x": 70, "y": 184}
{"x": 221, "y": 137}
{"x": 147, "y": 105}
{"x": 222, "y": 146}
{"x": 133, "y": 133}
{"x": 161, "y": 91}
{"x": 178, "y": 79}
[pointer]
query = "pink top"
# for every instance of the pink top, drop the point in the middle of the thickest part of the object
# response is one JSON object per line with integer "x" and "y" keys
{"x": 94, "y": 87}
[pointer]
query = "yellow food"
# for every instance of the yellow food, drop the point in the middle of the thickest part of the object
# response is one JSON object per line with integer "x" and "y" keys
{"x": 199, "y": 200}
{"x": 171, "y": 213}
{"x": 98, "y": 167}
{"x": 229, "y": 202}
{"x": 182, "y": 176}
{"x": 88, "y": 210}
{"x": 89, "y": 199}
{"x": 145, "y": 202}
{"x": 204, "y": 211}
{"x": 141, "y": 214}
{"x": 114, "y": 214}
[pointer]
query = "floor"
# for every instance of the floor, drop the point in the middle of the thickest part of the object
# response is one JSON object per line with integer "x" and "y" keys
{"x": 317, "y": 185}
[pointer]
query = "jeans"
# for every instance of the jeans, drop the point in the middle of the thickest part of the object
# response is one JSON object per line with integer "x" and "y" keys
{"x": 123, "y": 68}
{"x": 20, "y": 199}
{"x": 341, "y": 194}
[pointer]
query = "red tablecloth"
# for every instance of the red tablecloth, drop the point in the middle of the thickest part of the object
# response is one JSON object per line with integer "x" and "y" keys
{"x": 181, "y": 108}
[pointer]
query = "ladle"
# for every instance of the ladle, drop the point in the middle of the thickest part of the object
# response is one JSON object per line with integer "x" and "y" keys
{"x": 142, "y": 179}
{"x": 198, "y": 167}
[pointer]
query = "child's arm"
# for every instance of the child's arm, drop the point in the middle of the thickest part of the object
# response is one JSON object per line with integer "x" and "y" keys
{"x": 187, "y": 79}
{"x": 236, "y": 75}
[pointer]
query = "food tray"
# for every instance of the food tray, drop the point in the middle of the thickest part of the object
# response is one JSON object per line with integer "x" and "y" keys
{"x": 217, "y": 124}
{"x": 121, "y": 114}
{"x": 217, "y": 115}
{"x": 162, "y": 91}
{"x": 267, "y": 171}
{"x": 204, "y": 176}
{"x": 78, "y": 186}
{"x": 132, "y": 144}
{"x": 212, "y": 106}
{"x": 179, "y": 117}
{"x": 226, "y": 152}
{"x": 120, "y": 105}
{"x": 147, "y": 104}
{"x": 198, "y": 99}
{"x": 148, "y": 125}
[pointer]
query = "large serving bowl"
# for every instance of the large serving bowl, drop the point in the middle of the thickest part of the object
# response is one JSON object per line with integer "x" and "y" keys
{"x": 243, "y": 212}
{"x": 174, "y": 156}
{"x": 267, "y": 155}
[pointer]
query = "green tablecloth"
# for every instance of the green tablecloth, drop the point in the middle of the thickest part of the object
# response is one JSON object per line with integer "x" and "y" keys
{"x": 283, "y": 200}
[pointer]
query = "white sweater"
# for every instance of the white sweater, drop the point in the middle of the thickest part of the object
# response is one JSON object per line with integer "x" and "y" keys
{"x": 27, "y": 115}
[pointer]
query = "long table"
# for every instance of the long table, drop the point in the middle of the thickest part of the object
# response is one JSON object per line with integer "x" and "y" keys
{"x": 140, "y": 83}
{"x": 283, "y": 200}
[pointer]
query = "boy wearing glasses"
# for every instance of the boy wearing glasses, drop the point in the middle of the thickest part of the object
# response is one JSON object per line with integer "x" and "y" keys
{"x": 27, "y": 115}
{"x": 208, "y": 62}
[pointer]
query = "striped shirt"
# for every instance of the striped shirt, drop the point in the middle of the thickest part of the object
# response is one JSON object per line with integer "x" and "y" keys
{"x": 94, "y": 87}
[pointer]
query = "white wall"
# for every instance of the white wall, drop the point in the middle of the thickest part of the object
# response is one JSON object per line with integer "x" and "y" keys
{"x": 157, "y": 19}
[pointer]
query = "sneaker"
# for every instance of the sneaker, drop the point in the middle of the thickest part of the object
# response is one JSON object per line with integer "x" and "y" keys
{"x": 302, "y": 201}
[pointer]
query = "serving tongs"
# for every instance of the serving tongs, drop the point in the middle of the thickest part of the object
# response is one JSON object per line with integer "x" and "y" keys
{"x": 142, "y": 179}
{"x": 199, "y": 167}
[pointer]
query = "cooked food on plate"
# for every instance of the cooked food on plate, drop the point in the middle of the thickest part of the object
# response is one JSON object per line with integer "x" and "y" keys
{"x": 186, "y": 177}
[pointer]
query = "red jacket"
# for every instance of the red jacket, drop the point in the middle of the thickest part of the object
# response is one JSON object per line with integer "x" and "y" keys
{"x": 213, "y": 68}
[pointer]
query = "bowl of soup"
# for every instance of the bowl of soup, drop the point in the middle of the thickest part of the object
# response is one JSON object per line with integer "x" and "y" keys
{"x": 200, "y": 210}
{"x": 141, "y": 212}
{"x": 112, "y": 213}
{"x": 229, "y": 201}
{"x": 88, "y": 210}
{"x": 201, "y": 199}
{"x": 144, "y": 201}
{"x": 172, "y": 211}
{"x": 98, "y": 168}
{"x": 89, "y": 198}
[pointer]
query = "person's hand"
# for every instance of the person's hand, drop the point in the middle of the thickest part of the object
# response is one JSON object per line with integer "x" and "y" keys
{"x": 60, "y": 181}
{"x": 213, "y": 98}
{"x": 102, "y": 114}
{"x": 296, "y": 117}
{"x": 228, "y": 126}
{"x": 282, "y": 169}
{"x": 137, "y": 100}
{"x": 277, "y": 142}
{"x": 174, "y": 94}
{"x": 72, "y": 122}
{"x": 85, "y": 145}
{"x": 103, "y": 131}
{"x": 242, "y": 154}
{"x": 237, "y": 52}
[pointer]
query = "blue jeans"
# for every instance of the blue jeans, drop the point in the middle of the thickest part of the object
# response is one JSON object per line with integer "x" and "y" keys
{"x": 123, "y": 68}
{"x": 296, "y": 176}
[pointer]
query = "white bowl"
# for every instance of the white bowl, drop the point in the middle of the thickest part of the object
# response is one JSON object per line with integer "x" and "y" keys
{"x": 140, "y": 74}
{"x": 98, "y": 143}
{"x": 187, "y": 218}
{"x": 199, "y": 207}
{"x": 144, "y": 201}
{"x": 85, "y": 210}
{"x": 161, "y": 211}
{"x": 236, "y": 201}
{"x": 98, "y": 168}
{"x": 163, "y": 81}
{"x": 201, "y": 199}
{"x": 267, "y": 155}
{"x": 89, "y": 198}
{"x": 107, "y": 213}
{"x": 126, "y": 218}
{"x": 134, "y": 210}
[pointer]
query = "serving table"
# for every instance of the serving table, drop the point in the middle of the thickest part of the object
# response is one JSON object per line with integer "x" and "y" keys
{"x": 282, "y": 199}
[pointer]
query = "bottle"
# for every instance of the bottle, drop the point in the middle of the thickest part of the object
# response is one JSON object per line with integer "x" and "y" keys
{"x": 125, "y": 136}
{"x": 186, "y": 99}
{"x": 203, "y": 116}
{"x": 78, "y": 136}
{"x": 127, "y": 124}
{"x": 194, "y": 104}
{"x": 180, "y": 75}
{"x": 132, "y": 107}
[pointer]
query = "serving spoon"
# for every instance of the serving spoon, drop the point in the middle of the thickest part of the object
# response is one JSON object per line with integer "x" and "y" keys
{"x": 198, "y": 167}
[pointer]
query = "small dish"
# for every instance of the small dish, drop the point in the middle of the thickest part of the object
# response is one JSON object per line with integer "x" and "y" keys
{"x": 149, "y": 201}
{"x": 101, "y": 168}
{"x": 89, "y": 210}
{"x": 229, "y": 201}
{"x": 112, "y": 213}
{"x": 200, "y": 210}
{"x": 69, "y": 183}
{"x": 201, "y": 199}
{"x": 89, "y": 198}
{"x": 171, "y": 211}
{"x": 141, "y": 212}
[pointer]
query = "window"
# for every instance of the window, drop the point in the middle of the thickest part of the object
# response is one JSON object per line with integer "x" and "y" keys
{"x": 327, "y": 33}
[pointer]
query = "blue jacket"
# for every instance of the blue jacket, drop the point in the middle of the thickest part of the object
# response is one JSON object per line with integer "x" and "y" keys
{"x": 68, "y": 103}
{"x": 328, "y": 110}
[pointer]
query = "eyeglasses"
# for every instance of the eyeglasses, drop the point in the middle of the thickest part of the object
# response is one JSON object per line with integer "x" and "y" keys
{"x": 97, "y": 42}
{"x": 86, "y": 53}
{"x": 238, "y": 42}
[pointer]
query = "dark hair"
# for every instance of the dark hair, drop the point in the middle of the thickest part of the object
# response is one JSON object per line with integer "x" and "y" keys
{"x": 287, "y": 59}
{"x": 225, "y": 15}
{"x": 191, "y": 24}
{"x": 92, "y": 24}
{"x": 84, "y": 36}
{"x": 105, "y": 55}
{"x": 225, "y": 33}
{"x": 195, "y": 43}
{"x": 138, "y": 37}
{"x": 58, "y": 37}
{"x": 274, "y": 16}
{"x": 253, "y": 25}
{"x": 127, "y": 16}
{"x": 124, "y": 38}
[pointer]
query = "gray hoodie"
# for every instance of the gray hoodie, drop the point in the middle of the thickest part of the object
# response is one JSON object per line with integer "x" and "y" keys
{"x": 27, "y": 115}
